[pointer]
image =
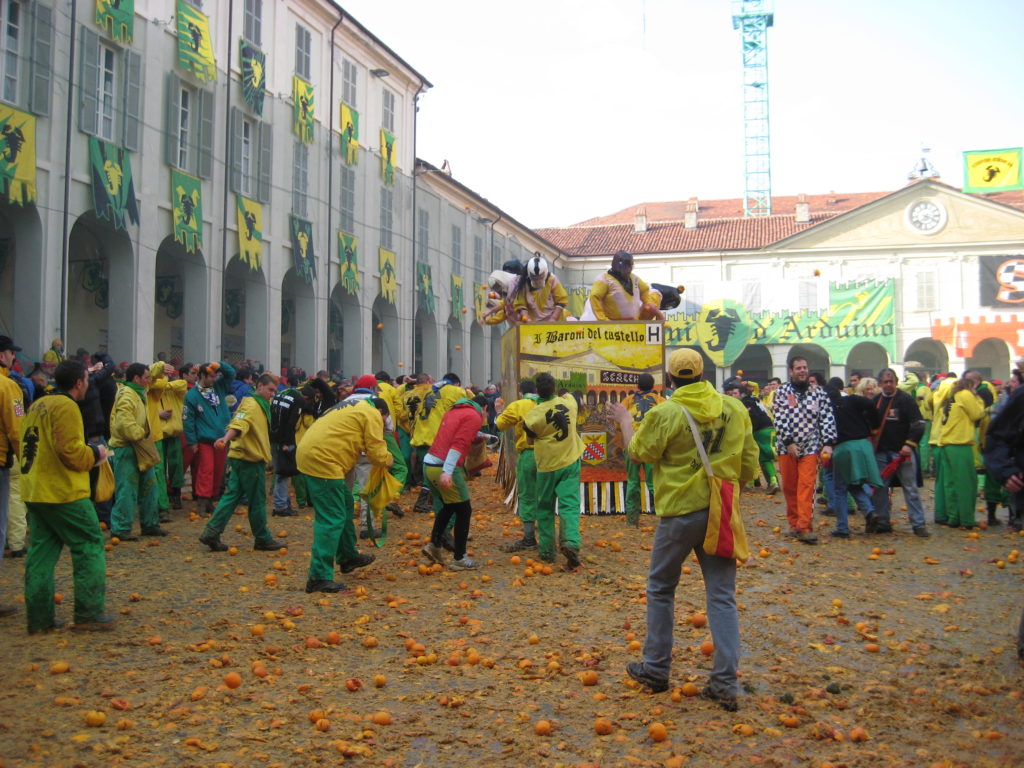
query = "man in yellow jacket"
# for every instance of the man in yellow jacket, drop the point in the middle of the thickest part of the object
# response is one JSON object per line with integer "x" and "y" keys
{"x": 55, "y": 486}
{"x": 328, "y": 451}
{"x": 166, "y": 400}
{"x": 620, "y": 295}
{"x": 511, "y": 417}
{"x": 12, "y": 409}
{"x": 437, "y": 400}
{"x": 248, "y": 436}
{"x": 682, "y": 497}
{"x": 957, "y": 415}
{"x": 135, "y": 458}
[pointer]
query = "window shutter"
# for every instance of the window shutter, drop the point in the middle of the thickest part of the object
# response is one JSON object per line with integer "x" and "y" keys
{"x": 266, "y": 161}
{"x": 296, "y": 179}
{"x": 90, "y": 84}
{"x": 42, "y": 59}
{"x": 236, "y": 150}
{"x": 205, "y": 153}
{"x": 132, "y": 99}
{"x": 171, "y": 115}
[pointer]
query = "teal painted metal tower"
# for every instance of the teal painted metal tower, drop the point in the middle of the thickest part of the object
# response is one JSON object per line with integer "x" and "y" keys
{"x": 752, "y": 18}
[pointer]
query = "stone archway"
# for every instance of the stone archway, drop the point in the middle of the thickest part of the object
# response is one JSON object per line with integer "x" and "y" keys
{"x": 992, "y": 358}
{"x": 245, "y": 300}
{"x": 928, "y": 356}
{"x": 425, "y": 350}
{"x": 345, "y": 334}
{"x": 21, "y": 279}
{"x": 867, "y": 359}
{"x": 101, "y": 275}
{"x": 385, "y": 341}
{"x": 298, "y": 323}
{"x": 817, "y": 357}
{"x": 755, "y": 362}
{"x": 181, "y": 282}
{"x": 479, "y": 359}
{"x": 456, "y": 356}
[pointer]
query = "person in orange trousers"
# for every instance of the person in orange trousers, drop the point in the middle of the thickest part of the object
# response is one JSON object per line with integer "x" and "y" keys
{"x": 805, "y": 431}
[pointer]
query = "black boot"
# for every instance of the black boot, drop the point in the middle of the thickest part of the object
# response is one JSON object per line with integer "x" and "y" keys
{"x": 175, "y": 495}
{"x": 992, "y": 519}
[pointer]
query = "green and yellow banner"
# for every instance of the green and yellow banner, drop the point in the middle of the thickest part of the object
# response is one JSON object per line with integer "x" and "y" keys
{"x": 187, "y": 207}
{"x": 480, "y": 300}
{"x": 993, "y": 170}
{"x": 116, "y": 18}
{"x": 349, "y": 134}
{"x": 302, "y": 248}
{"x": 348, "y": 255}
{"x": 17, "y": 156}
{"x": 302, "y": 96}
{"x": 195, "y": 48}
{"x": 458, "y": 299}
{"x": 113, "y": 191}
{"x": 250, "y": 231}
{"x": 388, "y": 276}
{"x": 387, "y": 157}
{"x": 858, "y": 312}
{"x": 425, "y": 286}
{"x": 254, "y": 75}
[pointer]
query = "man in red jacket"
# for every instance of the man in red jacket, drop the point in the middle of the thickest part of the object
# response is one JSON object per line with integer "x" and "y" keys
{"x": 444, "y": 470}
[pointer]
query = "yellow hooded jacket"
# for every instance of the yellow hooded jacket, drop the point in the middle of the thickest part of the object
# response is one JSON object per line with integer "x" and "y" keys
{"x": 253, "y": 444}
{"x": 165, "y": 394}
{"x": 664, "y": 439}
{"x": 129, "y": 420}
{"x": 12, "y": 410}
{"x": 513, "y": 416}
{"x": 557, "y": 443}
{"x": 435, "y": 404}
{"x": 958, "y": 418}
{"x": 333, "y": 445}
{"x": 56, "y": 459}
{"x": 396, "y": 404}
{"x": 938, "y": 402}
{"x": 412, "y": 399}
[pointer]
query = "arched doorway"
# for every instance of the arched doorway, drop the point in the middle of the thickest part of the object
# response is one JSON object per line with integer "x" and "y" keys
{"x": 992, "y": 358}
{"x": 345, "y": 350}
{"x": 817, "y": 357}
{"x": 298, "y": 323}
{"x": 867, "y": 359}
{"x": 456, "y": 358}
{"x": 385, "y": 343}
{"x": 927, "y": 356}
{"x": 21, "y": 279}
{"x": 244, "y": 330}
{"x": 101, "y": 268}
{"x": 181, "y": 281}
{"x": 479, "y": 359}
{"x": 424, "y": 354}
{"x": 755, "y": 362}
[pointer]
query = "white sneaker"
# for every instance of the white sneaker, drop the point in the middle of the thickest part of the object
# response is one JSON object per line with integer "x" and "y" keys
{"x": 465, "y": 564}
{"x": 433, "y": 553}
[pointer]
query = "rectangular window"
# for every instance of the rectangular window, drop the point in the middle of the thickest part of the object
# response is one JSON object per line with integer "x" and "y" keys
{"x": 303, "y": 53}
{"x": 185, "y": 127}
{"x": 300, "y": 179}
{"x": 252, "y": 21}
{"x": 926, "y": 289}
{"x": 497, "y": 251}
{"x": 349, "y": 83}
{"x": 387, "y": 119}
{"x": 423, "y": 236}
{"x": 478, "y": 253}
{"x": 107, "y": 95}
{"x": 387, "y": 215}
{"x": 248, "y": 136}
{"x": 10, "y": 48}
{"x": 348, "y": 199}
{"x": 457, "y": 246}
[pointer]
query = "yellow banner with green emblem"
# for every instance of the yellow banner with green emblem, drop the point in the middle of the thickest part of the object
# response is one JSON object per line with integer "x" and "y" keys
{"x": 480, "y": 301}
{"x": 302, "y": 96}
{"x": 17, "y": 156}
{"x": 387, "y": 157}
{"x": 349, "y": 134}
{"x": 186, "y": 202}
{"x": 250, "y": 231}
{"x": 458, "y": 300}
{"x": 116, "y": 18}
{"x": 348, "y": 255}
{"x": 993, "y": 170}
{"x": 195, "y": 48}
{"x": 388, "y": 276}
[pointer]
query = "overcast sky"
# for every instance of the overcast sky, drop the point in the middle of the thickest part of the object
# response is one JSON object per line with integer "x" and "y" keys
{"x": 560, "y": 110}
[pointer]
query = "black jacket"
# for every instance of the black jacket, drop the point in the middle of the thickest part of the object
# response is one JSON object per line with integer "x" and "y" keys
{"x": 1004, "y": 441}
{"x": 759, "y": 418}
{"x": 903, "y": 421}
{"x": 94, "y": 420}
{"x": 856, "y": 418}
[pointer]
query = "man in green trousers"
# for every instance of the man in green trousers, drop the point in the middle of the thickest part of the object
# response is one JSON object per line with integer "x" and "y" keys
{"x": 55, "y": 486}
{"x": 248, "y": 436}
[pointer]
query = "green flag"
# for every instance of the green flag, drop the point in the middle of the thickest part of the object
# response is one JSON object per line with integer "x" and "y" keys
{"x": 302, "y": 248}
{"x": 187, "y": 206}
{"x": 116, "y": 18}
{"x": 113, "y": 191}
{"x": 349, "y": 134}
{"x": 348, "y": 256}
{"x": 195, "y": 48}
{"x": 254, "y": 75}
{"x": 458, "y": 302}
{"x": 302, "y": 95}
{"x": 387, "y": 157}
{"x": 250, "y": 231}
{"x": 425, "y": 286}
{"x": 388, "y": 276}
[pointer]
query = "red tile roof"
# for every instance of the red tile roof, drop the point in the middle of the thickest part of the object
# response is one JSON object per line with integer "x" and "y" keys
{"x": 721, "y": 224}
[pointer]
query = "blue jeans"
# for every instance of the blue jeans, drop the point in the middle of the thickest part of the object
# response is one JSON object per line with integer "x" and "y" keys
{"x": 674, "y": 539}
{"x": 907, "y": 473}
{"x": 841, "y": 501}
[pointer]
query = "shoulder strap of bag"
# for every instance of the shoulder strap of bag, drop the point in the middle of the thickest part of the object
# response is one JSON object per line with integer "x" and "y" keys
{"x": 875, "y": 438}
{"x": 696, "y": 439}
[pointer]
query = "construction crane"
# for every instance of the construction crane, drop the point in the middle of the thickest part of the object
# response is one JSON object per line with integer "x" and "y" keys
{"x": 752, "y": 18}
